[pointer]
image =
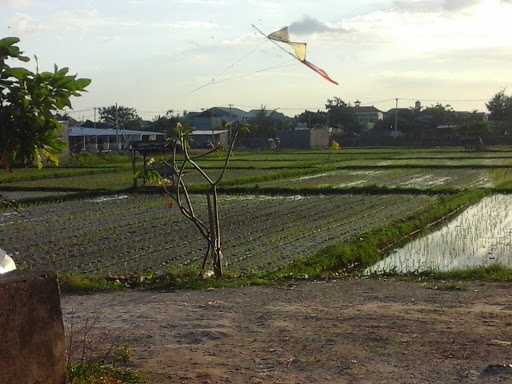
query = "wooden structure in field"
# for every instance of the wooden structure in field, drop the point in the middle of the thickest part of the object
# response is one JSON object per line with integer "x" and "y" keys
{"x": 145, "y": 149}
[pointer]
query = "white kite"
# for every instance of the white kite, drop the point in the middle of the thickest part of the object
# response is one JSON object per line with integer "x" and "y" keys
{"x": 299, "y": 50}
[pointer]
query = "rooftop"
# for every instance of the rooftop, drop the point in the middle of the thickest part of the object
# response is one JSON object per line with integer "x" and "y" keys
{"x": 367, "y": 109}
{"x": 82, "y": 131}
{"x": 205, "y": 133}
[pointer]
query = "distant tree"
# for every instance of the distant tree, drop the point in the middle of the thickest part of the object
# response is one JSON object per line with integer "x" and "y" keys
{"x": 94, "y": 124}
{"x": 29, "y": 103}
{"x": 440, "y": 115}
{"x": 475, "y": 127}
{"x": 313, "y": 119}
{"x": 500, "y": 107}
{"x": 266, "y": 123}
{"x": 166, "y": 123}
{"x": 342, "y": 115}
{"x": 120, "y": 116}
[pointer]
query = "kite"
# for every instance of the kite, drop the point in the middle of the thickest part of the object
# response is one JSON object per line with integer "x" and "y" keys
{"x": 299, "y": 50}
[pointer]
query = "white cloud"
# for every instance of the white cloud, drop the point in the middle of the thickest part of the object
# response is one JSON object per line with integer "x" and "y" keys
{"x": 402, "y": 34}
{"x": 23, "y": 24}
{"x": 91, "y": 20}
{"x": 428, "y": 6}
{"x": 16, "y": 4}
{"x": 193, "y": 24}
{"x": 309, "y": 25}
{"x": 202, "y": 2}
{"x": 433, "y": 6}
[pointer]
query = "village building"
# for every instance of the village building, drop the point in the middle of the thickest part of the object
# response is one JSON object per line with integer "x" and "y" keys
{"x": 83, "y": 139}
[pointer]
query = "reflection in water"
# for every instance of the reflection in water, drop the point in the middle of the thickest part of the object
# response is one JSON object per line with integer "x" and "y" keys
{"x": 480, "y": 236}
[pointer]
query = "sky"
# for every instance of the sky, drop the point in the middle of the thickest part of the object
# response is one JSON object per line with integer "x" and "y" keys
{"x": 185, "y": 55}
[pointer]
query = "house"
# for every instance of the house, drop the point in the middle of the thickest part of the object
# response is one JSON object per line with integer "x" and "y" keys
{"x": 367, "y": 116}
{"x": 215, "y": 118}
{"x": 83, "y": 139}
{"x": 210, "y": 138}
{"x": 272, "y": 114}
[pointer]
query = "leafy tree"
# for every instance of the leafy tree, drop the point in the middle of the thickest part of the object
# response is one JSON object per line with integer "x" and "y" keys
{"x": 500, "y": 107}
{"x": 29, "y": 103}
{"x": 342, "y": 115}
{"x": 267, "y": 123}
{"x": 313, "y": 119}
{"x": 120, "y": 116}
{"x": 440, "y": 115}
{"x": 165, "y": 123}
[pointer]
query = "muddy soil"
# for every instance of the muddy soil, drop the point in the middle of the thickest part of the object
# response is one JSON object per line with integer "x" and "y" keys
{"x": 357, "y": 331}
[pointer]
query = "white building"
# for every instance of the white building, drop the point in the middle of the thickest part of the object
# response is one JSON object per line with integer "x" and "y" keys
{"x": 107, "y": 139}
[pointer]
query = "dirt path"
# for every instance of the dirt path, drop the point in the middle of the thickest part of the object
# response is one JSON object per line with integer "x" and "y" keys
{"x": 336, "y": 332}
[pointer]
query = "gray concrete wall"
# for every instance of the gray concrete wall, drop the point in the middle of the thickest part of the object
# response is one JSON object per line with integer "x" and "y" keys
{"x": 32, "y": 345}
{"x": 320, "y": 138}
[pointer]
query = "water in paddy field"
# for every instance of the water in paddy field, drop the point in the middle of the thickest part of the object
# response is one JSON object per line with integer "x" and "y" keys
{"x": 479, "y": 237}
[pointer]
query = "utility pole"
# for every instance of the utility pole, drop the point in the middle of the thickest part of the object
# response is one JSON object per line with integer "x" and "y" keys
{"x": 117, "y": 128}
{"x": 396, "y": 118}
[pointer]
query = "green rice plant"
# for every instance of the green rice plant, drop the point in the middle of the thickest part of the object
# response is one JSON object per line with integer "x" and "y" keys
{"x": 85, "y": 284}
{"x": 365, "y": 250}
{"x": 102, "y": 374}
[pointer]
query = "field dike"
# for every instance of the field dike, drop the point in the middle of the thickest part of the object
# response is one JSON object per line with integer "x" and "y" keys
{"x": 343, "y": 260}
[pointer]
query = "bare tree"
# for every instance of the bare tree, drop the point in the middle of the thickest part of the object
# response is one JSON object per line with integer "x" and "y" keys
{"x": 176, "y": 187}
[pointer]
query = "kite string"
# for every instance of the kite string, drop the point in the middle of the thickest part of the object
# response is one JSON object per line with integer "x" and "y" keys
{"x": 241, "y": 76}
{"x": 225, "y": 70}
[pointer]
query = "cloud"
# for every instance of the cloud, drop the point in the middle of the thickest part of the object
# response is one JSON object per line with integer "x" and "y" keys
{"x": 433, "y": 6}
{"x": 202, "y": 2}
{"x": 86, "y": 20}
{"x": 15, "y": 4}
{"x": 309, "y": 25}
{"x": 428, "y": 6}
{"x": 193, "y": 24}
{"x": 23, "y": 24}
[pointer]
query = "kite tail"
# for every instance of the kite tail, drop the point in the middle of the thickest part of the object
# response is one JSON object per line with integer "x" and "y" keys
{"x": 320, "y": 71}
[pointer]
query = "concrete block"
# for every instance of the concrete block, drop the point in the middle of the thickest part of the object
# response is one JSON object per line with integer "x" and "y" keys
{"x": 32, "y": 343}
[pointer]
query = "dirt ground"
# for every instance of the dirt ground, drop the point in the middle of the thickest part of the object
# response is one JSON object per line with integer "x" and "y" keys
{"x": 357, "y": 331}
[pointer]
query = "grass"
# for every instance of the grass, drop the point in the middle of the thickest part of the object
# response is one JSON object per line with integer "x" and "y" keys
{"x": 175, "y": 278}
{"x": 493, "y": 273}
{"x": 502, "y": 178}
{"x": 84, "y": 284}
{"x": 97, "y": 160}
{"x": 102, "y": 374}
{"x": 31, "y": 174}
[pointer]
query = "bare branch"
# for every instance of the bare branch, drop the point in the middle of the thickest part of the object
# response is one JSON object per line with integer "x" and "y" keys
{"x": 228, "y": 156}
{"x": 194, "y": 164}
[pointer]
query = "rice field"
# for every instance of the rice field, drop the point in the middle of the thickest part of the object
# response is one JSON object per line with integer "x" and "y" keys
{"x": 122, "y": 231}
{"x": 478, "y": 237}
{"x": 138, "y": 233}
{"x": 398, "y": 178}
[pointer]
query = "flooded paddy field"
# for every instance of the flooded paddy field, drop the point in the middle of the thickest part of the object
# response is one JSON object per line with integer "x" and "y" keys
{"x": 429, "y": 162}
{"x": 400, "y": 178}
{"x": 137, "y": 233}
{"x": 480, "y": 236}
